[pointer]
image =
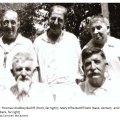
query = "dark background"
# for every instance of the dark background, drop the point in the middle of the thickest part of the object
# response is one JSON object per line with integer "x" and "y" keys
{"x": 76, "y": 13}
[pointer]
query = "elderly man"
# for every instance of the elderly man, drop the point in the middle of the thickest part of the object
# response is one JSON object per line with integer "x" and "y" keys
{"x": 25, "y": 89}
{"x": 94, "y": 67}
{"x": 58, "y": 53}
{"x": 12, "y": 42}
{"x": 100, "y": 28}
{"x": 97, "y": 85}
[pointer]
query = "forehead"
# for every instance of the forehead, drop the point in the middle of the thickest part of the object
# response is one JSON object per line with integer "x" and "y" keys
{"x": 58, "y": 11}
{"x": 10, "y": 15}
{"x": 96, "y": 56}
{"x": 23, "y": 64}
{"x": 98, "y": 21}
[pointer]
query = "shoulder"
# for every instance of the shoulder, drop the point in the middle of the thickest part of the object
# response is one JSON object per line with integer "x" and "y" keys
{"x": 23, "y": 39}
{"x": 41, "y": 37}
{"x": 69, "y": 35}
{"x": 113, "y": 41}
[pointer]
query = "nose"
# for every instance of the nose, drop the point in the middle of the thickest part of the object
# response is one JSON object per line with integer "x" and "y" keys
{"x": 93, "y": 65}
{"x": 95, "y": 31}
{"x": 56, "y": 21}
{"x": 9, "y": 25}
{"x": 23, "y": 73}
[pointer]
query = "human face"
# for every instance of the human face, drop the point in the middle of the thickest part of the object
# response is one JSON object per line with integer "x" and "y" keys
{"x": 10, "y": 24}
{"x": 94, "y": 68}
{"x": 23, "y": 74}
{"x": 23, "y": 71}
{"x": 56, "y": 20}
{"x": 99, "y": 32}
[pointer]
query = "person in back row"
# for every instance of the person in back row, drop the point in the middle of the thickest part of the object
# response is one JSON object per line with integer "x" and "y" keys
{"x": 100, "y": 29}
{"x": 12, "y": 41}
{"x": 58, "y": 54}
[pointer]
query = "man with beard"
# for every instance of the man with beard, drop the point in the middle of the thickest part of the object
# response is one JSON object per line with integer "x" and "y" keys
{"x": 12, "y": 42}
{"x": 58, "y": 55}
{"x": 100, "y": 29}
{"x": 25, "y": 89}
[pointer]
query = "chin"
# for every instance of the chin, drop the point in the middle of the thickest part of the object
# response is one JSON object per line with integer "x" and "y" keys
{"x": 96, "y": 82}
{"x": 10, "y": 37}
{"x": 24, "y": 86}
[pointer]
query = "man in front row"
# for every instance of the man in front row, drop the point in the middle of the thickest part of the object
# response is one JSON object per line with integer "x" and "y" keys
{"x": 24, "y": 88}
{"x": 94, "y": 67}
{"x": 97, "y": 82}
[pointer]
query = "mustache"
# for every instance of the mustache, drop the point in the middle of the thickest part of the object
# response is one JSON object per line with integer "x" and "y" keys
{"x": 55, "y": 26}
{"x": 93, "y": 74}
{"x": 8, "y": 29}
{"x": 23, "y": 78}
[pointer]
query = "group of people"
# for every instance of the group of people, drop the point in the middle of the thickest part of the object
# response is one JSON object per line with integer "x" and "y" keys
{"x": 54, "y": 68}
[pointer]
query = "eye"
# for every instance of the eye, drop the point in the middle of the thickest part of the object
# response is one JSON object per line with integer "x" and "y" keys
{"x": 97, "y": 61}
{"x": 5, "y": 22}
{"x": 93, "y": 29}
{"x": 87, "y": 64}
{"x": 99, "y": 27}
{"x": 53, "y": 18}
{"x": 13, "y": 22}
{"x": 18, "y": 69}
{"x": 28, "y": 69}
{"x": 60, "y": 20}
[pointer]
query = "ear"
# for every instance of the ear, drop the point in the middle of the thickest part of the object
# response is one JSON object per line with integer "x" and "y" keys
{"x": 12, "y": 71}
{"x": 34, "y": 70}
{"x": 83, "y": 68}
{"x": 106, "y": 74}
{"x": 106, "y": 66}
{"x": 108, "y": 29}
{"x": 18, "y": 24}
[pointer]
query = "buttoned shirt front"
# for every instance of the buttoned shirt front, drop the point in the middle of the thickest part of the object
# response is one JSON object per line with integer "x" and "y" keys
{"x": 59, "y": 61}
{"x": 7, "y": 52}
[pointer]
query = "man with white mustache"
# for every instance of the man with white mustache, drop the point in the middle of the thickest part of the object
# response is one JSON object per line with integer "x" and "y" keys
{"x": 25, "y": 89}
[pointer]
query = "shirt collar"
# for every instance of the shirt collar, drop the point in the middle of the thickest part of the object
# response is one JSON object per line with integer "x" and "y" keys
{"x": 46, "y": 39}
{"x": 92, "y": 90}
{"x": 17, "y": 41}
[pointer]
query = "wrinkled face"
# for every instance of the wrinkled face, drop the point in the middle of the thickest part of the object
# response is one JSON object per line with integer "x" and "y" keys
{"x": 23, "y": 75}
{"x": 23, "y": 71}
{"x": 94, "y": 68}
{"x": 10, "y": 24}
{"x": 99, "y": 32}
{"x": 56, "y": 20}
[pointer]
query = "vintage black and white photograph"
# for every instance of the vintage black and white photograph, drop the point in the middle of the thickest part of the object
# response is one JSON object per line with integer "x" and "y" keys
{"x": 59, "y": 53}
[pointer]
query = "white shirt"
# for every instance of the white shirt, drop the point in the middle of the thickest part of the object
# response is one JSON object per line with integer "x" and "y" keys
{"x": 59, "y": 61}
{"x": 39, "y": 94}
{"x": 21, "y": 44}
